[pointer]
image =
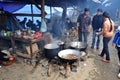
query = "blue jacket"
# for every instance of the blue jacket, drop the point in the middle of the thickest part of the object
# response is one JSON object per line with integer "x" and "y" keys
{"x": 116, "y": 39}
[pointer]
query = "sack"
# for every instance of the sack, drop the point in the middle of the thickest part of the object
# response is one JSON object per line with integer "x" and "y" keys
{"x": 43, "y": 25}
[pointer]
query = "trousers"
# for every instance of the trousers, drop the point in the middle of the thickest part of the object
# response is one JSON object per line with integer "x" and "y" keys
{"x": 105, "y": 50}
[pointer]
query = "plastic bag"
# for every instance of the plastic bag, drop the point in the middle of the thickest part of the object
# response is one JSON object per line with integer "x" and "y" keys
{"x": 43, "y": 26}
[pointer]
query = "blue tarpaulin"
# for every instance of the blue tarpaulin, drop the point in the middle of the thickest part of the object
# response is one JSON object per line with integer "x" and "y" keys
{"x": 11, "y": 7}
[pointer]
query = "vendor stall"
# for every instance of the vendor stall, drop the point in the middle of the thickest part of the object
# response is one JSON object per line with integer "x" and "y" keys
{"x": 24, "y": 39}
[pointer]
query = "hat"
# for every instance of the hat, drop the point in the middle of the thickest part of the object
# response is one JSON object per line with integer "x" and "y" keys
{"x": 86, "y": 9}
{"x": 106, "y": 14}
{"x": 99, "y": 10}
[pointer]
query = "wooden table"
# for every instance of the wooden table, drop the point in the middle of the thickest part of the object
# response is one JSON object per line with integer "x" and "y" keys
{"x": 29, "y": 41}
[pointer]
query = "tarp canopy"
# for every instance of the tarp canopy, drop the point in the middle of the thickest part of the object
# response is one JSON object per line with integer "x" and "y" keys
{"x": 14, "y": 5}
{"x": 27, "y": 10}
{"x": 106, "y": 5}
{"x": 53, "y": 3}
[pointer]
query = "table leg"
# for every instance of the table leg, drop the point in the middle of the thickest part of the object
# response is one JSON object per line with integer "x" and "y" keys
{"x": 13, "y": 45}
{"x": 67, "y": 74}
{"x": 31, "y": 53}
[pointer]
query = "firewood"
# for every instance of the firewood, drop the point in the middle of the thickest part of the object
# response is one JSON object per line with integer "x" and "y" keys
{"x": 67, "y": 74}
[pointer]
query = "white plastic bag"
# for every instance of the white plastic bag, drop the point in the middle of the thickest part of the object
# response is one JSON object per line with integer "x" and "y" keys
{"x": 43, "y": 26}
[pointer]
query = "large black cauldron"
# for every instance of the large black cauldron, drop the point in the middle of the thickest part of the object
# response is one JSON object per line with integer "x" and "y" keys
{"x": 51, "y": 50}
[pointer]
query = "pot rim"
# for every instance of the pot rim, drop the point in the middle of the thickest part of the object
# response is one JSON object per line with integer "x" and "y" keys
{"x": 69, "y": 51}
{"x": 81, "y": 44}
{"x": 51, "y": 46}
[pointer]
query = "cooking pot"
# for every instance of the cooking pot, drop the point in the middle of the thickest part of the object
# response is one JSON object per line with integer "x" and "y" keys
{"x": 51, "y": 50}
{"x": 78, "y": 45}
{"x": 69, "y": 54}
{"x": 61, "y": 44}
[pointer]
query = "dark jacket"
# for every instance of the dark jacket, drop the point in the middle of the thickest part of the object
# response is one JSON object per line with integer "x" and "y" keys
{"x": 84, "y": 23}
{"x": 68, "y": 25}
{"x": 97, "y": 22}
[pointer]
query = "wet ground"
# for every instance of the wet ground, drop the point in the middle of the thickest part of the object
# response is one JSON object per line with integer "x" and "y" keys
{"x": 91, "y": 69}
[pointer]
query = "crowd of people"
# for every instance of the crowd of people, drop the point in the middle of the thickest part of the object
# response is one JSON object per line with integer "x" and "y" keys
{"x": 103, "y": 25}
{"x": 30, "y": 24}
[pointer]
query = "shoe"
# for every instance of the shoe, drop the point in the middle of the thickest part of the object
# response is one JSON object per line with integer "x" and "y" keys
{"x": 107, "y": 61}
{"x": 119, "y": 64}
{"x": 100, "y": 55}
{"x": 97, "y": 48}
{"x": 92, "y": 47}
{"x": 118, "y": 75}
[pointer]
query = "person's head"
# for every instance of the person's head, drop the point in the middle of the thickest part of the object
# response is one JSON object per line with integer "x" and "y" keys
{"x": 67, "y": 20}
{"x": 29, "y": 20}
{"x": 106, "y": 15}
{"x": 25, "y": 19}
{"x": 18, "y": 20}
{"x": 99, "y": 11}
{"x": 37, "y": 21}
{"x": 86, "y": 11}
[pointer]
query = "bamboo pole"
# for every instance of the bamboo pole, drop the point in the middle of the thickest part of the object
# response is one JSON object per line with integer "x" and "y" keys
{"x": 42, "y": 8}
{"x": 32, "y": 12}
{"x": 24, "y": 14}
{"x": 36, "y": 4}
{"x": 50, "y": 11}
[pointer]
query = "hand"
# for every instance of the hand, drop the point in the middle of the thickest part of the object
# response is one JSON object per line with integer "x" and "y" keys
{"x": 113, "y": 44}
{"x": 89, "y": 28}
{"x": 97, "y": 34}
{"x": 11, "y": 58}
{"x": 77, "y": 31}
{"x": 99, "y": 29}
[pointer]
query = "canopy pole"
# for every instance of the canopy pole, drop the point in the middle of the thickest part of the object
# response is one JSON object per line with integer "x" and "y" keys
{"x": 50, "y": 11}
{"x": 42, "y": 8}
{"x": 32, "y": 12}
{"x": 64, "y": 13}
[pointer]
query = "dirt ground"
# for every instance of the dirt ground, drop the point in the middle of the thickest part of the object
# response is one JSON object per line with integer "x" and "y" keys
{"x": 91, "y": 69}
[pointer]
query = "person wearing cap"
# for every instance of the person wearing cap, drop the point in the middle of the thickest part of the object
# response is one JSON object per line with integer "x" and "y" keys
{"x": 108, "y": 31}
{"x": 83, "y": 25}
{"x": 116, "y": 41}
{"x": 97, "y": 23}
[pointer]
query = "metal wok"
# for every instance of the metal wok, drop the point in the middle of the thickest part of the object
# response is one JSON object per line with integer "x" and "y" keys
{"x": 69, "y": 54}
{"x": 78, "y": 45}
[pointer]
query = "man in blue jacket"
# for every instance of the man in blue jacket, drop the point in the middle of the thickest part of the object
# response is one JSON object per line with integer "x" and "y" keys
{"x": 116, "y": 41}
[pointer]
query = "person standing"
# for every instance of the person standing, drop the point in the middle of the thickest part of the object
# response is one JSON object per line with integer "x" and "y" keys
{"x": 68, "y": 24}
{"x": 116, "y": 41}
{"x": 22, "y": 23}
{"x": 38, "y": 26}
{"x": 83, "y": 25}
{"x": 108, "y": 31}
{"x": 97, "y": 23}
